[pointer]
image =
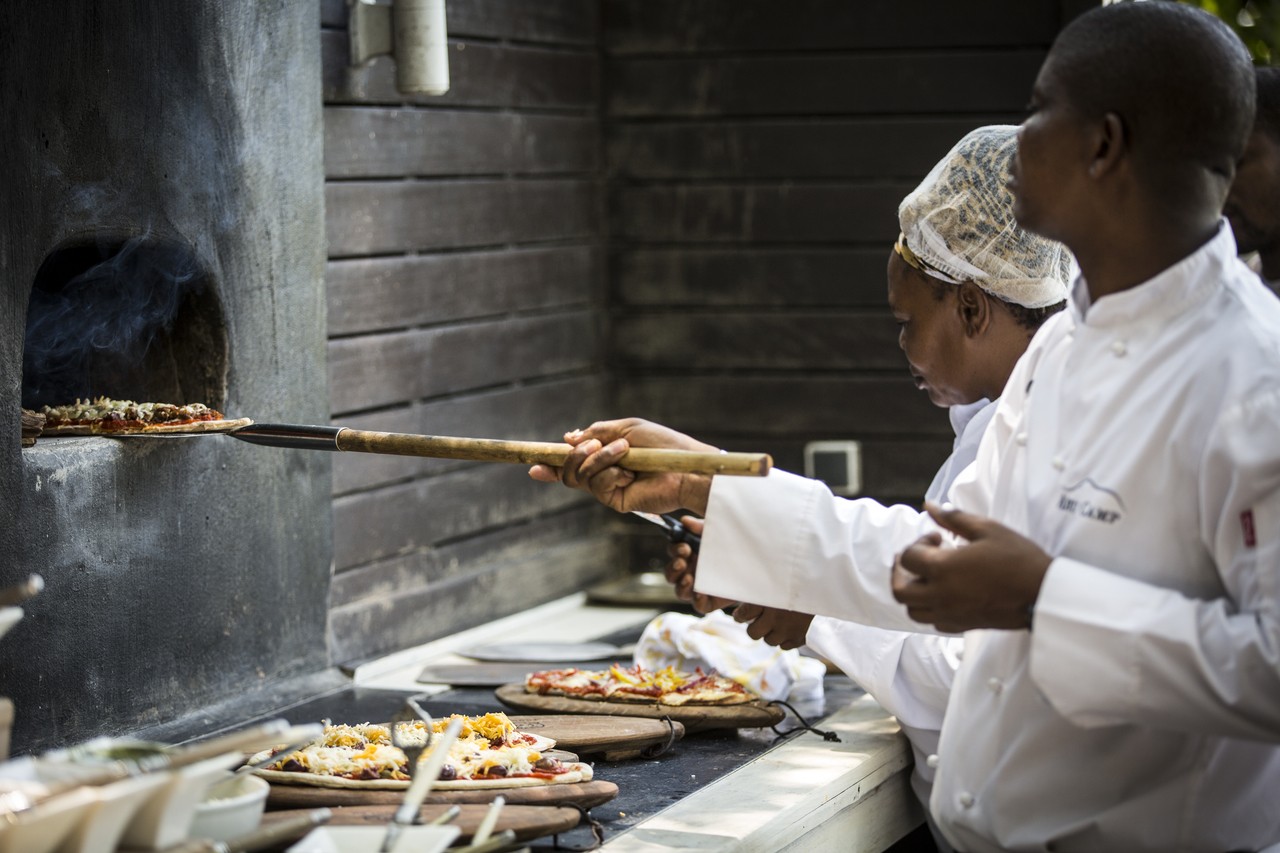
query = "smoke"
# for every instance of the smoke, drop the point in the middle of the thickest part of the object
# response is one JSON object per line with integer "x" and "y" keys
{"x": 95, "y": 312}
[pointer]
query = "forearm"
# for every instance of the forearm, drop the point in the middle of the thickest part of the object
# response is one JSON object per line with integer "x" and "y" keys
{"x": 785, "y": 541}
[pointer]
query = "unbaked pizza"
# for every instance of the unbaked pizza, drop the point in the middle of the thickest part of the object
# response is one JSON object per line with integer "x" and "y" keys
{"x": 105, "y": 416}
{"x": 489, "y": 753}
{"x": 666, "y": 686}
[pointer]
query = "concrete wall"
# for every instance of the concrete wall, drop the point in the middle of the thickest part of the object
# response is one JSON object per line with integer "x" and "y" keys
{"x": 179, "y": 572}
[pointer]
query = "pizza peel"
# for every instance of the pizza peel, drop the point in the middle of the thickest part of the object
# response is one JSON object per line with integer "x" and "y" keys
{"x": 585, "y": 794}
{"x": 695, "y": 718}
{"x": 650, "y": 459}
{"x": 527, "y": 821}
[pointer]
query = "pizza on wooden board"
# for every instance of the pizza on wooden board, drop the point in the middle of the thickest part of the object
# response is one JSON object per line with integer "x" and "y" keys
{"x": 105, "y": 416}
{"x": 489, "y": 753}
{"x": 666, "y": 686}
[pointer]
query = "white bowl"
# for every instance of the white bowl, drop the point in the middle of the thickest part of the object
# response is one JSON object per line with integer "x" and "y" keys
{"x": 104, "y": 822}
{"x": 366, "y": 839}
{"x": 165, "y": 818}
{"x": 232, "y": 806}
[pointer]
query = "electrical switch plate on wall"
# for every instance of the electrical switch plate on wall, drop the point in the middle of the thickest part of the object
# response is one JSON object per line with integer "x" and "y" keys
{"x": 836, "y": 463}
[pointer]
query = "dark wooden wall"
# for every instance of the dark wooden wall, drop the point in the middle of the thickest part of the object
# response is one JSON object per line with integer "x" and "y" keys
{"x": 757, "y": 152}
{"x": 678, "y": 209}
{"x": 465, "y": 284}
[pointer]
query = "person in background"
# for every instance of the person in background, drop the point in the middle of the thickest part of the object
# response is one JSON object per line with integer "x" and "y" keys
{"x": 967, "y": 288}
{"x": 1113, "y": 553}
{"x": 1253, "y": 205}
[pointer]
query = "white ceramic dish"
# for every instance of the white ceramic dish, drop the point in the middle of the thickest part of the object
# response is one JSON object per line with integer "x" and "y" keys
{"x": 114, "y": 806}
{"x": 166, "y": 817}
{"x": 43, "y": 828}
{"x": 368, "y": 839}
{"x": 232, "y": 806}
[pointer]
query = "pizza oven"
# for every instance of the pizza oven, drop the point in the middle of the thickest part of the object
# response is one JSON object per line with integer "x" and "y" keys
{"x": 161, "y": 238}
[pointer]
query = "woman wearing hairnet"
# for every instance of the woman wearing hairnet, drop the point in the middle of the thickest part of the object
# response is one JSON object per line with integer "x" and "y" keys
{"x": 968, "y": 288}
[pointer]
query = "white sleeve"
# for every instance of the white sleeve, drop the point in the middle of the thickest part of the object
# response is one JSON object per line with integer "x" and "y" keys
{"x": 1107, "y": 649}
{"x": 909, "y": 674}
{"x": 785, "y": 541}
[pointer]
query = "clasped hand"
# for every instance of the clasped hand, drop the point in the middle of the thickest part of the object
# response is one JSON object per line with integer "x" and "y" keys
{"x": 990, "y": 582}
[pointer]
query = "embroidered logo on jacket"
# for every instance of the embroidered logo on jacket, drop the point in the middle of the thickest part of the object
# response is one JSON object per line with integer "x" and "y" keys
{"x": 1089, "y": 500}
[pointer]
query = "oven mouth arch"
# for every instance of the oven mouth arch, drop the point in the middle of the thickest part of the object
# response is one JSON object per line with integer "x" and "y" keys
{"x": 127, "y": 317}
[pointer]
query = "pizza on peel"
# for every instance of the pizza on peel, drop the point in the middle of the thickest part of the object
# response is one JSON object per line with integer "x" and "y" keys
{"x": 666, "y": 686}
{"x": 489, "y": 753}
{"x": 105, "y": 416}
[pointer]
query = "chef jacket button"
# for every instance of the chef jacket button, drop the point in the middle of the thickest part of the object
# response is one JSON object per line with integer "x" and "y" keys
{"x": 1119, "y": 348}
{"x": 1058, "y": 463}
{"x": 1021, "y": 438}
{"x": 932, "y": 761}
{"x": 966, "y": 800}
{"x": 995, "y": 685}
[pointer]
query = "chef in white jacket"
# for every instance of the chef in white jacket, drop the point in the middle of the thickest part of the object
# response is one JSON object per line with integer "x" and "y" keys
{"x": 1119, "y": 578}
{"x": 968, "y": 289}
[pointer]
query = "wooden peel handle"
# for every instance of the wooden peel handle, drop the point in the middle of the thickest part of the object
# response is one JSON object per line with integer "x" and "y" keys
{"x": 649, "y": 459}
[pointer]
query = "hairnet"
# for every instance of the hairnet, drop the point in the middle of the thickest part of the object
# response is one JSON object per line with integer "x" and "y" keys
{"x": 960, "y": 223}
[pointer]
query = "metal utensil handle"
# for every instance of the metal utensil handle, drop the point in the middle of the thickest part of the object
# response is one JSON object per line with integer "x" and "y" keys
{"x": 648, "y": 459}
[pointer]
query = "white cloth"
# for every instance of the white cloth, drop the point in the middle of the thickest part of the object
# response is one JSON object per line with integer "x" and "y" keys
{"x": 909, "y": 674}
{"x": 717, "y": 643}
{"x": 1138, "y": 441}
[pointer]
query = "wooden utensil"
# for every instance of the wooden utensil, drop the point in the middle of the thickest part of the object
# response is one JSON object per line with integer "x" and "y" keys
{"x": 650, "y": 459}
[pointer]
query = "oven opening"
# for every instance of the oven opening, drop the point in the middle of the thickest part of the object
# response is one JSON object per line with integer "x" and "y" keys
{"x": 136, "y": 319}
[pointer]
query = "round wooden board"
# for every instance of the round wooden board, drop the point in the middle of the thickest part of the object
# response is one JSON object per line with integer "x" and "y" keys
{"x": 529, "y": 822}
{"x": 585, "y": 794}
{"x": 695, "y": 718}
{"x": 594, "y": 734}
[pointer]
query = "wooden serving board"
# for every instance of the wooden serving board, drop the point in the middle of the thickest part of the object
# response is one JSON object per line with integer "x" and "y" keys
{"x": 695, "y": 718}
{"x": 616, "y": 738}
{"x": 529, "y": 822}
{"x": 585, "y": 794}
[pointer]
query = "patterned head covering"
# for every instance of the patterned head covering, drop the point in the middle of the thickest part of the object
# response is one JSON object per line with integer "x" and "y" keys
{"x": 958, "y": 226}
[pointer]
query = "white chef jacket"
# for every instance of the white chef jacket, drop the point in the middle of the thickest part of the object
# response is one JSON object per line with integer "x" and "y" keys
{"x": 1138, "y": 443}
{"x": 909, "y": 674}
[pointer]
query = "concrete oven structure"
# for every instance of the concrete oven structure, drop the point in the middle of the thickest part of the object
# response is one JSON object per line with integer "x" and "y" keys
{"x": 161, "y": 237}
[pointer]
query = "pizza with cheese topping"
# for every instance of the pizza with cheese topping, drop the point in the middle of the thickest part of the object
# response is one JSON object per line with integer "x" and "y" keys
{"x": 105, "y": 416}
{"x": 666, "y": 686}
{"x": 489, "y": 753}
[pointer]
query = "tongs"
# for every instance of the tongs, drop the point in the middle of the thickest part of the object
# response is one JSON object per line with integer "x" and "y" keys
{"x": 421, "y": 777}
{"x": 649, "y": 459}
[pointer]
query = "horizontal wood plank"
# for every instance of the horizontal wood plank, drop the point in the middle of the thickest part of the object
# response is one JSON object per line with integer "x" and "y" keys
{"x": 365, "y": 218}
{"x": 400, "y": 603}
{"x": 754, "y": 341}
{"x": 756, "y": 406}
{"x": 759, "y": 213}
{"x": 399, "y": 519}
{"x": 365, "y": 142}
{"x": 371, "y": 294}
{"x": 572, "y": 22}
{"x": 829, "y": 148}
{"x": 881, "y": 83}
{"x": 381, "y": 370}
{"x": 749, "y": 276}
{"x": 428, "y": 566}
{"x": 664, "y": 26}
{"x": 541, "y": 412}
{"x": 480, "y": 75}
